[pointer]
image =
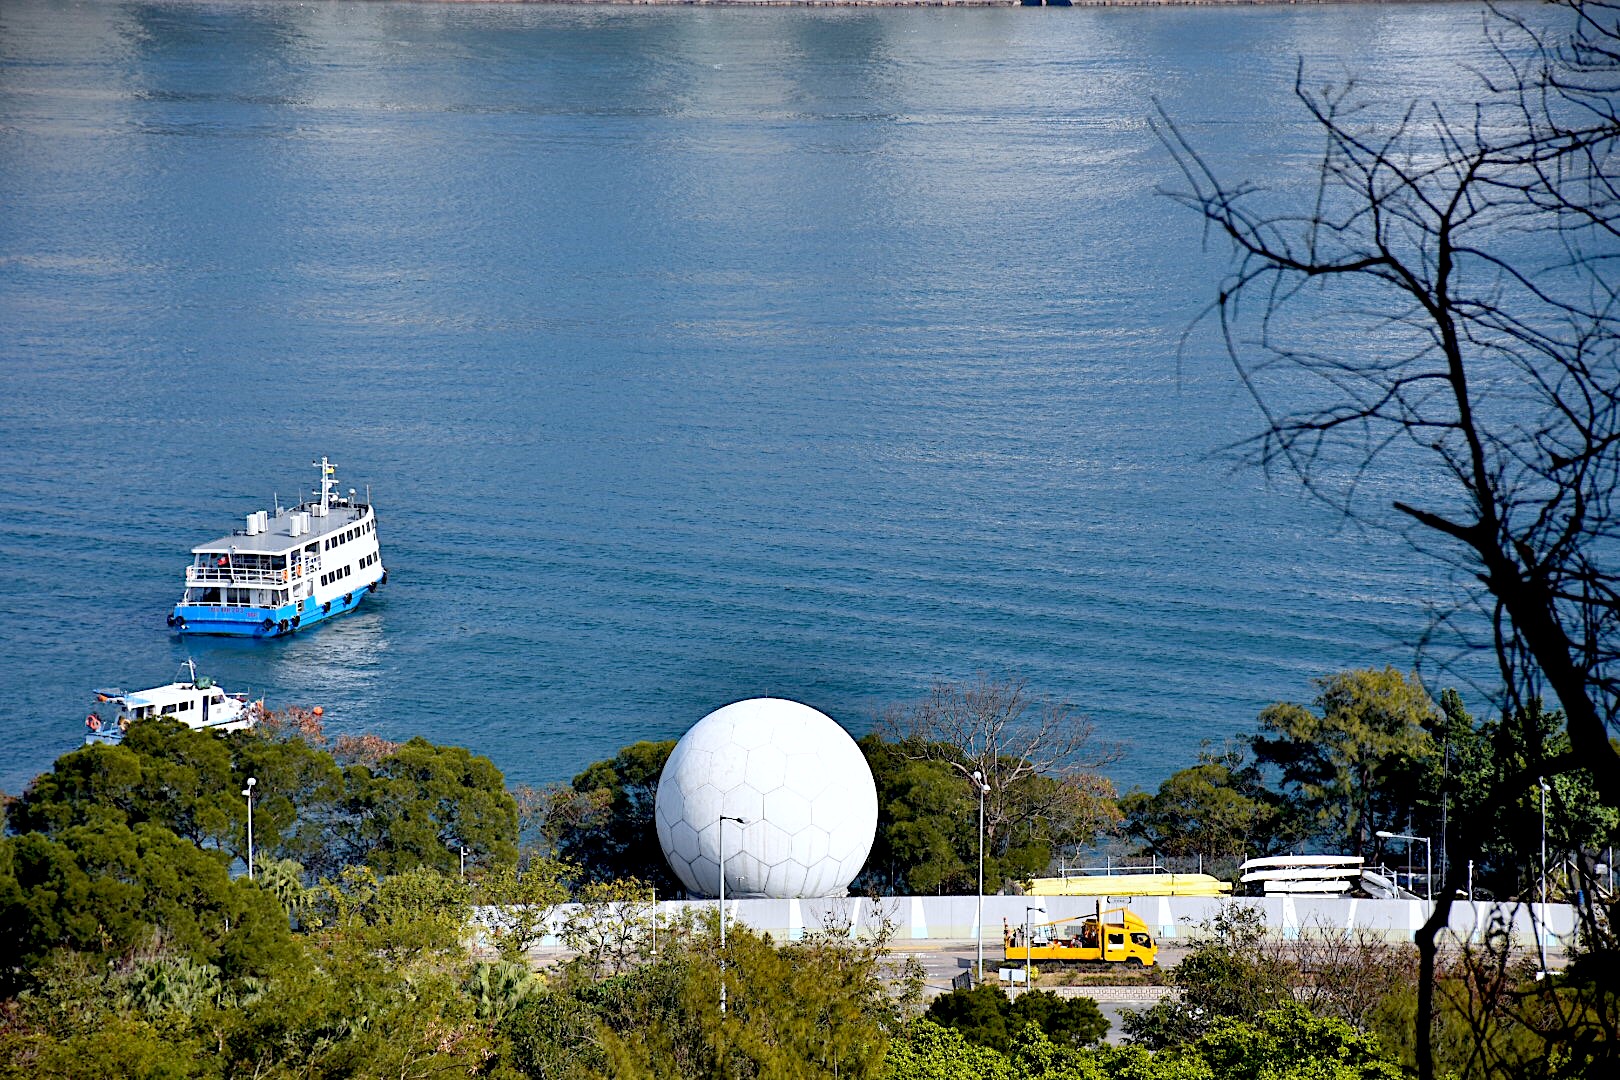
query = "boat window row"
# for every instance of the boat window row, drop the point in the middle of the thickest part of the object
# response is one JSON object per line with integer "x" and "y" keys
{"x": 348, "y": 534}
{"x": 327, "y": 579}
{"x": 369, "y": 559}
{"x": 142, "y": 712}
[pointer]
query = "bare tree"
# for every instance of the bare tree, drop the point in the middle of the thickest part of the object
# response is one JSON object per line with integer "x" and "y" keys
{"x": 1040, "y": 760}
{"x": 1469, "y": 256}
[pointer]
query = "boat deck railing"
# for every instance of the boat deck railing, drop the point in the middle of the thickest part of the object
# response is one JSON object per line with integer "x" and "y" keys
{"x": 242, "y": 575}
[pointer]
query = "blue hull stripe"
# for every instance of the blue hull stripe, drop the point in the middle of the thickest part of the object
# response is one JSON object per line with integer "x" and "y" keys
{"x": 249, "y": 621}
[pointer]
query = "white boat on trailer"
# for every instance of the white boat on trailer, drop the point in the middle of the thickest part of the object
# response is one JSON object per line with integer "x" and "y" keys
{"x": 195, "y": 701}
{"x": 282, "y": 574}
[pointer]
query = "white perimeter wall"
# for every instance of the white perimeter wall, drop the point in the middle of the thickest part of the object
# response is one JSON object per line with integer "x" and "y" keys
{"x": 1173, "y": 918}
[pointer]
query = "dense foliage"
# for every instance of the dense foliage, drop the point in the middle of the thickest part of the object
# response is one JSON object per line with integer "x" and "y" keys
{"x": 986, "y": 1016}
{"x": 138, "y": 948}
{"x": 1377, "y": 754}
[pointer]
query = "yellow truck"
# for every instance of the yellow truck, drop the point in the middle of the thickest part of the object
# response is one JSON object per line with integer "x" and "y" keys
{"x": 1115, "y": 936}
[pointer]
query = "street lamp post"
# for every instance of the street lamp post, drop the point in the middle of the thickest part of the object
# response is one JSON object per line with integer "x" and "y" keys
{"x": 1029, "y": 944}
{"x": 463, "y": 853}
{"x": 1428, "y": 861}
{"x": 247, "y": 793}
{"x": 984, "y": 789}
{"x": 1542, "y": 780}
{"x": 722, "y": 826}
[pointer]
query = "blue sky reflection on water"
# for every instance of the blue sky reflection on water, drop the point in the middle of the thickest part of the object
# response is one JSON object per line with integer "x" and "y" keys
{"x": 691, "y": 355}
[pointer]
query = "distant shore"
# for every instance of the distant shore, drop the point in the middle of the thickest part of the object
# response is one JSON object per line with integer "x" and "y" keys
{"x": 951, "y": 3}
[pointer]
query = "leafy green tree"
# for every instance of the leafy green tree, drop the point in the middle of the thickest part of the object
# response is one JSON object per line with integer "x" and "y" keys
{"x": 614, "y": 926}
{"x": 403, "y": 916}
{"x": 526, "y": 901}
{"x": 163, "y": 772}
{"x": 552, "y": 1034}
{"x": 1495, "y": 801}
{"x": 422, "y": 803}
{"x": 1231, "y": 974}
{"x": 812, "y": 1009}
{"x": 1289, "y": 1043}
{"x": 929, "y": 1051}
{"x": 985, "y": 1015}
{"x": 108, "y": 890}
{"x": 1041, "y": 762}
{"x": 979, "y": 1013}
{"x": 499, "y": 988}
{"x": 1217, "y": 808}
{"x": 299, "y": 809}
{"x": 1354, "y": 765}
{"x": 928, "y": 833}
{"x": 926, "y": 840}
{"x": 1070, "y": 1021}
{"x": 605, "y": 823}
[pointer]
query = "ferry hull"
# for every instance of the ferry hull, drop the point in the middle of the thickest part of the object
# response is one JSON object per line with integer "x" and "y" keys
{"x": 250, "y": 622}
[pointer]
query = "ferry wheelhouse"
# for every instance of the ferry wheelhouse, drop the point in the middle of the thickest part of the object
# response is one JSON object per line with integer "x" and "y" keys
{"x": 285, "y": 573}
{"x": 194, "y": 701}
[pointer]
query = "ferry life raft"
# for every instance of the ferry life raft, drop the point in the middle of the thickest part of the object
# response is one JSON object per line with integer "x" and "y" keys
{"x": 285, "y": 573}
{"x": 194, "y": 700}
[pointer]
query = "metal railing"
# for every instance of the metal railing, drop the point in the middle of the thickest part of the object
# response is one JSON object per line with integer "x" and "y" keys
{"x": 242, "y": 575}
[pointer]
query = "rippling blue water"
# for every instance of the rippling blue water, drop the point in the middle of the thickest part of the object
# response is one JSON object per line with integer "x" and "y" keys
{"x": 689, "y": 355}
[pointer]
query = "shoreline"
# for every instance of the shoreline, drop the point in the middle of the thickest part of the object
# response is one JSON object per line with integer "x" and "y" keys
{"x": 947, "y": 3}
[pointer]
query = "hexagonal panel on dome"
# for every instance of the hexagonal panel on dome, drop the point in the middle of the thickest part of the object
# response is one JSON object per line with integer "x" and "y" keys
{"x": 701, "y": 804}
{"x": 810, "y": 845}
{"x": 753, "y": 734}
{"x": 767, "y": 768}
{"x": 730, "y": 767}
{"x": 787, "y": 809}
{"x": 683, "y": 840}
{"x": 746, "y": 802}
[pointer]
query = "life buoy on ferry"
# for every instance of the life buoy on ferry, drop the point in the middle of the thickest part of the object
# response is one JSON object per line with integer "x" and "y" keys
{"x": 284, "y": 575}
{"x": 93, "y": 722}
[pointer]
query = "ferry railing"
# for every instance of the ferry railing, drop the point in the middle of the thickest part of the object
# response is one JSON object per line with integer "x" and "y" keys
{"x": 242, "y": 575}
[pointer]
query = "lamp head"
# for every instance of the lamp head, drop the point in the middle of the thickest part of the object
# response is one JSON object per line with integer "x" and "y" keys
{"x": 1385, "y": 833}
{"x": 252, "y": 781}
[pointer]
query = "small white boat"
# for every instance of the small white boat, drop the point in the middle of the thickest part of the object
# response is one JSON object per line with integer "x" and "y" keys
{"x": 195, "y": 701}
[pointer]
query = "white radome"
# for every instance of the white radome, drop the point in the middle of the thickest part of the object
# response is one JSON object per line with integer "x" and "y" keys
{"x": 794, "y": 775}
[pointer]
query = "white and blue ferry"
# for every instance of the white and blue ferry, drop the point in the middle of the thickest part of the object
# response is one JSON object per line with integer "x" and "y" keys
{"x": 284, "y": 573}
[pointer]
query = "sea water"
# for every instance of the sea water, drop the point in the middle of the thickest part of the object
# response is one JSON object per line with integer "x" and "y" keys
{"x": 688, "y": 355}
